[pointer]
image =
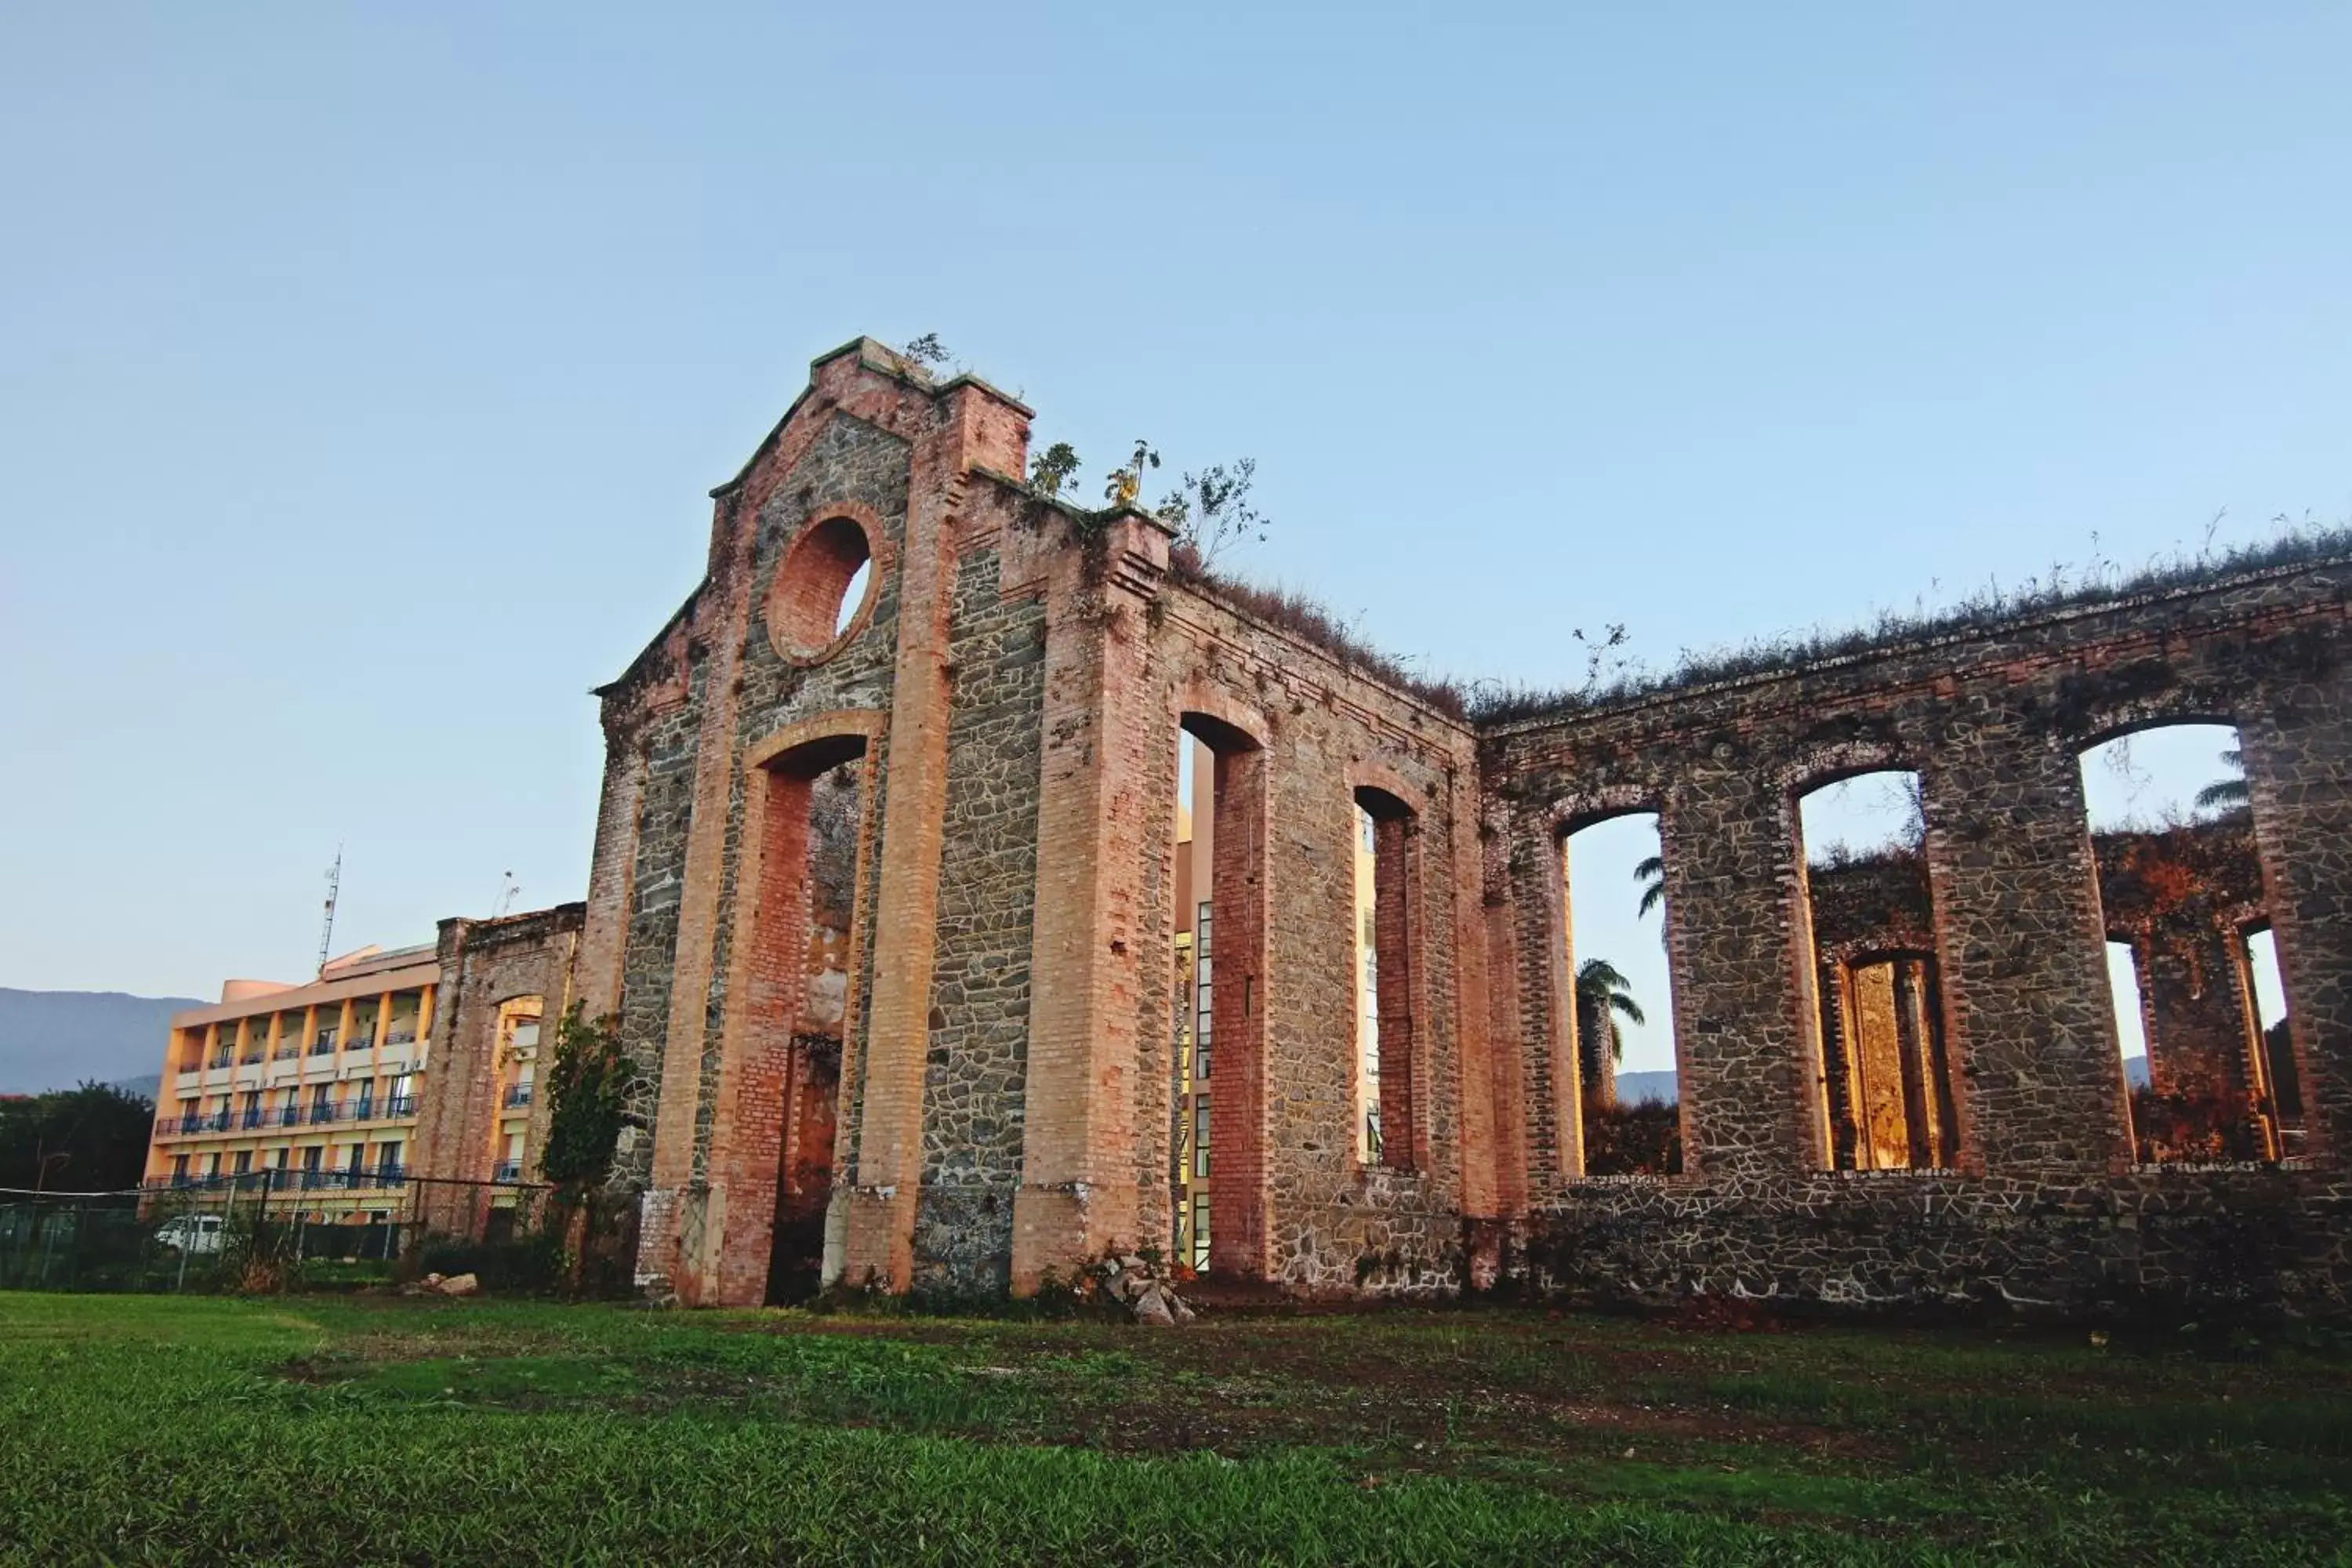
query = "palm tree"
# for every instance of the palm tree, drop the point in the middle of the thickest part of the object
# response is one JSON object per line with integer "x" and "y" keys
{"x": 1602, "y": 991}
{"x": 1652, "y": 874}
{"x": 2227, "y": 795}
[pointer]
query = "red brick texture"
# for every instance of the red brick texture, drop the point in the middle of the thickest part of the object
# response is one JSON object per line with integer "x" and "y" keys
{"x": 1014, "y": 678}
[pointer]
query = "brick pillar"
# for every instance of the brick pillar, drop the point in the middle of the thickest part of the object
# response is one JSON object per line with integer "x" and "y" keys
{"x": 1477, "y": 1142}
{"x": 877, "y": 1219}
{"x": 1107, "y": 734}
{"x": 2298, "y": 758}
{"x": 1239, "y": 1232}
{"x": 673, "y": 1215}
{"x": 610, "y": 873}
{"x": 1552, "y": 1120}
{"x": 2201, "y": 1034}
{"x": 2023, "y": 967}
{"x": 1397, "y": 928}
{"x": 1742, "y": 960}
{"x": 1498, "y": 931}
{"x": 763, "y": 997}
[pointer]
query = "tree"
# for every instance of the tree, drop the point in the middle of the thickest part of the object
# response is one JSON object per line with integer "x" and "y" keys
{"x": 2227, "y": 794}
{"x": 1052, "y": 468}
{"x": 92, "y": 1139}
{"x": 1212, "y": 509}
{"x": 1602, "y": 993}
{"x": 1652, "y": 874}
{"x": 926, "y": 351}
{"x": 588, "y": 1094}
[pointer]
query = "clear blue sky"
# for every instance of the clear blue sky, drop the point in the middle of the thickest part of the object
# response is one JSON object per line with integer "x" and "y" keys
{"x": 363, "y": 369}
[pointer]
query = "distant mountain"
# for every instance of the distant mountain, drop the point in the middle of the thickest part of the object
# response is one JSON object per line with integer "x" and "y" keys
{"x": 55, "y": 1039}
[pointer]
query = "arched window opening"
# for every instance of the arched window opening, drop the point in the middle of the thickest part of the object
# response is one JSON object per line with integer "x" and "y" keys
{"x": 2200, "y": 1014}
{"x": 1215, "y": 1162}
{"x": 1626, "y": 1064}
{"x": 797, "y": 1011}
{"x": 1886, "y": 1076}
{"x": 1386, "y": 923}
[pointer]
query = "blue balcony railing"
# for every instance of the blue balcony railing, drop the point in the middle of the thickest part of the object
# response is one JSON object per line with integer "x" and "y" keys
{"x": 507, "y": 1170}
{"x": 518, "y": 1095}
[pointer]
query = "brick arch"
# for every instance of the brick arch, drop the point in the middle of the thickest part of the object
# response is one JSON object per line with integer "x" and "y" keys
{"x": 1571, "y": 814}
{"x": 2137, "y": 716}
{"x": 1364, "y": 773}
{"x": 765, "y": 978}
{"x": 1247, "y": 723}
{"x": 1819, "y": 767}
{"x": 866, "y": 724}
{"x": 782, "y": 588}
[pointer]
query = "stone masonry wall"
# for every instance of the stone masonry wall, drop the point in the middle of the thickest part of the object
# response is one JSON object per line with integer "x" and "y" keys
{"x": 485, "y": 963}
{"x": 1335, "y": 1220}
{"x": 974, "y": 1077}
{"x": 1009, "y": 697}
{"x": 1993, "y": 721}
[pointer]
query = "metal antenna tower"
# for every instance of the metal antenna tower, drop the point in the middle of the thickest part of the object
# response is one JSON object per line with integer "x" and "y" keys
{"x": 334, "y": 888}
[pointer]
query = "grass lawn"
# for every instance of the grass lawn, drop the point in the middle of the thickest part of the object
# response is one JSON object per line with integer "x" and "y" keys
{"x": 308, "y": 1429}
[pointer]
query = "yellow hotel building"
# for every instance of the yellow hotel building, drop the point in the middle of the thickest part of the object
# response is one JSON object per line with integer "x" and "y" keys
{"x": 320, "y": 1082}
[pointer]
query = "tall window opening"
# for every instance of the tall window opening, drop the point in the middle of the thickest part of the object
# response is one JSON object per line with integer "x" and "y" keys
{"x": 2193, "y": 972}
{"x": 1623, "y": 1015}
{"x": 1385, "y": 923}
{"x": 1215, "y": 1159}
{"x": 1885, "y": 1073}
{"x": 797, "y": 1009}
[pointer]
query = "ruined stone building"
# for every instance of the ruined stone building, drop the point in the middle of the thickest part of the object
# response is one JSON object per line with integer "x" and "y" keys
{"x": 885, "y": 889}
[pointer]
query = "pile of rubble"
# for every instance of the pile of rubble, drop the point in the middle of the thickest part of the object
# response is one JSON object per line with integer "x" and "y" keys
{"x": 1145, "y": 1290}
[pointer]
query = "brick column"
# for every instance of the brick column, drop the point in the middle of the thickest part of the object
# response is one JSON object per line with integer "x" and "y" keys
{"x": 610, "y": 874}
{"x": 877, "y": 1205}
{"x": 2039, "y": 1067}
{"x": 1506, "y": 1096}
{"x": 1476, "y": 1136}
{"x": 2298, "y": 757}
{"x": 1107, "y": 732}
{"x": 1399, "y": 935}
{"x": 1551, "y": 1117}
{"x": 1742, "y": 962}
{"x": 1239, "y": 1231}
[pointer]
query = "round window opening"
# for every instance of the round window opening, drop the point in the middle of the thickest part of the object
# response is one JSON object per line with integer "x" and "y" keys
{"x": 821, "y": 590}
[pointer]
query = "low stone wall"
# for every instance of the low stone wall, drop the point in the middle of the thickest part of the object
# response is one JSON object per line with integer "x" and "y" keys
{"x": 2243, "y": 1238}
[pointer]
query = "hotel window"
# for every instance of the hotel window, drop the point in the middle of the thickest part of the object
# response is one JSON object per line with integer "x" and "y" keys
{"x": 1200, "y": 1230}
{"x": 1201, "y": 995}
{"x": 1200, "y": 1136}
{"x": 179, "y": 1168}
{"x": 243, "y": 1162}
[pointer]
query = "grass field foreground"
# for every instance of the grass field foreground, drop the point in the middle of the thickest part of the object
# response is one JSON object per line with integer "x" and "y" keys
{"x": 137, "y": 1429}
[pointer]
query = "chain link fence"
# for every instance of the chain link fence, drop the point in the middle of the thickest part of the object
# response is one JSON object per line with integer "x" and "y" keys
{"x": 278, "y": 1229}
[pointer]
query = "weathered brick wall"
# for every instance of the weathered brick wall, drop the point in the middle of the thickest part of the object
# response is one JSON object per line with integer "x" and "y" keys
{"x": 1011, "y": 696}
{"x": 1994, "y": 721}
{"x": 485, "y": 963}
{"x": 1333, "y": 1219}
{"x": 975, "y": 1073}
{"x": 2183, "y": 1237}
